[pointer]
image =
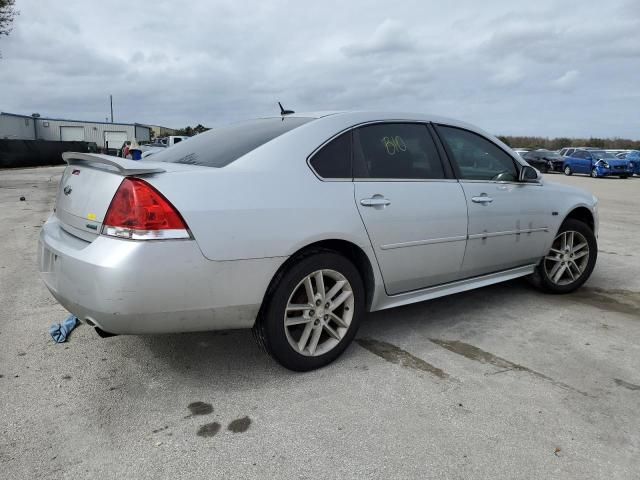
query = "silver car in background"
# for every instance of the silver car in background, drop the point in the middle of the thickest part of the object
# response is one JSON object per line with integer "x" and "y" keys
{"x": 298, "y": 225}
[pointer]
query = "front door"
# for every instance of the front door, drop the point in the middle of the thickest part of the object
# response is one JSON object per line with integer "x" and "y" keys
{"x": 507, "y": 220}
{"x": 415, "y": 214}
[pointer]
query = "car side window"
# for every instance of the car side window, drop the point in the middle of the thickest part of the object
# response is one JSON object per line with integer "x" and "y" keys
{"x": 395, "y": 151}
{"x": 478, "y": 158}
{"x": 334, "y": 159}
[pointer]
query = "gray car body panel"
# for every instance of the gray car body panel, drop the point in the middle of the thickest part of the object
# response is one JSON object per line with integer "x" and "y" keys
{"x": 250, "y": 216}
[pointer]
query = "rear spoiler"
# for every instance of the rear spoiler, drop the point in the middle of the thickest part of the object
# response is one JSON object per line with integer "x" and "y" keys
{"x": 125, "y": 167}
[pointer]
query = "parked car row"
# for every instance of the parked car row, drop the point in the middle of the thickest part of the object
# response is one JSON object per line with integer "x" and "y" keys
{"x": 586, "y": 160}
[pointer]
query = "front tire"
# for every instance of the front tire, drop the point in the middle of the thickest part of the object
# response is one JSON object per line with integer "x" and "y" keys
{"x": 567, "y": 170}
{"x": 313, "y": 311}
{"x": 570, "y": 260}
{"x": 594, "y": 173}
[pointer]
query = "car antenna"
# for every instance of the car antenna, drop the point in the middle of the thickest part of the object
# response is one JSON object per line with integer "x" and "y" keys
{"x": 283, "y": 111}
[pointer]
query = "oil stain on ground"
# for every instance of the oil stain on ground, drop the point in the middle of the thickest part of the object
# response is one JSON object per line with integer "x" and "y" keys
{"x": 200, "y": 408}
{"x": 208, "y": 429}
{"x": 627, "y": 385}
{"x": 396, "y": 355}
{"x": 622, "y": 301}
{"x": 239, "y": 425}
{"x": 474, "y": 353}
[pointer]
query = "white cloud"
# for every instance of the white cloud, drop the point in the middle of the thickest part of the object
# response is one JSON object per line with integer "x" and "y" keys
{"x": 567, "y": 80}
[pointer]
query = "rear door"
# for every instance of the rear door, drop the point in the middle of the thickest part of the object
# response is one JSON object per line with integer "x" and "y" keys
{"x": 413, "y": 209}
{"x": 507, "y": 219}
{"x": 581, "y": 162}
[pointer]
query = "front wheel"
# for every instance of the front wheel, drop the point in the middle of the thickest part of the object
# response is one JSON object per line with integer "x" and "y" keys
{"x": 570, "y": 260}
{"x": 313, "y": 311}
{"x": 594, "y": 173}
{"x": 567, "y": 170}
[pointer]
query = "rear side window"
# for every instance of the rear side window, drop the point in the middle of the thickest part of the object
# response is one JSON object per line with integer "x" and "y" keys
{"x": 395, "y": 151}
{"x": 334, "y": 159}
{"x": 221, "y": 146}
{"x": 478, "y": 158}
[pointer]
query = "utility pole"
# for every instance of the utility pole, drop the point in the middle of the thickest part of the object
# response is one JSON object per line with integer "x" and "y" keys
{"x": 111, "y": 103}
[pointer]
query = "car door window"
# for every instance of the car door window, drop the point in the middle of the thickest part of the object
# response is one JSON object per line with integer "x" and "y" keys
{"x": 476, "y": 157}
{"x": 395, "y": 151}
{"x": 333, "y": 161}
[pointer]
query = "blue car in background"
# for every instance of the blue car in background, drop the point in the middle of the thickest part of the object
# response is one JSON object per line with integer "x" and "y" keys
{"x": 596, "y": 163}
{"x": 633, "y": 157}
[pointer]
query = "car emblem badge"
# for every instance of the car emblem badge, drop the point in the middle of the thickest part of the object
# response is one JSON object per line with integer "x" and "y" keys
{"x": 67, "y": 190}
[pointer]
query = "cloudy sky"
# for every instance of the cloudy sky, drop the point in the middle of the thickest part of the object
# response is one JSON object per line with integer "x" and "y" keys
{"x": 543, "y": 67}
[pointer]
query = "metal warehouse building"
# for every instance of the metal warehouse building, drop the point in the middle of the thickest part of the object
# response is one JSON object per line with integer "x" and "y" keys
{"x": 103, "y": 134}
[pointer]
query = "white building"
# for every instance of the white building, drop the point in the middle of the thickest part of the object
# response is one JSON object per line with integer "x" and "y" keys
{"x": 103, "y": 134}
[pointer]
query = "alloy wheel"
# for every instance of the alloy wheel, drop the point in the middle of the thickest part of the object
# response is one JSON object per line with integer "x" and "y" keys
{"x": 319, "y": 312}
{"x": 568, "y": 258}
{"x": 594, "y": 173}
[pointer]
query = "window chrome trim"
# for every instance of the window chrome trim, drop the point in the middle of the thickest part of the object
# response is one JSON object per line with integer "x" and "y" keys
{"x": 502, "y": 182}
{"x": 413, "y": 180}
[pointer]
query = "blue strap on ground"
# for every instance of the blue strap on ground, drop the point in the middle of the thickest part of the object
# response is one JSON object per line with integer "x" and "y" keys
{"x": 59, "y": 333}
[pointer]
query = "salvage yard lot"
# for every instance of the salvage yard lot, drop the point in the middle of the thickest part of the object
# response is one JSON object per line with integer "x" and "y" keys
{"x": 501, "y": 382}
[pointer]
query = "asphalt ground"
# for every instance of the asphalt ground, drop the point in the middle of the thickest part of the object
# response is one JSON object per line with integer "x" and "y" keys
{"x": 501, "y": 382}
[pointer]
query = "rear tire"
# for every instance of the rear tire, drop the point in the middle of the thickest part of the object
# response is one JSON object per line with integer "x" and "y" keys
{"x": 567, "y": 170}
{"x": 303, "y": 333}
{"x": 570, "y": 261}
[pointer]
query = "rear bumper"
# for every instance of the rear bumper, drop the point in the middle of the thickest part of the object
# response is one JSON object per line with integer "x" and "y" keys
{"x": 140, "y": 287}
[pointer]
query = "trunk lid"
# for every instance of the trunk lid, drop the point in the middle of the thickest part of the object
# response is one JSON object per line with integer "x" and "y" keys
{"x": 87, "y": 187}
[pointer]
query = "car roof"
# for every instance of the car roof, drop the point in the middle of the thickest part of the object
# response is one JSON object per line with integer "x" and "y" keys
{"x": 384, "y": 115}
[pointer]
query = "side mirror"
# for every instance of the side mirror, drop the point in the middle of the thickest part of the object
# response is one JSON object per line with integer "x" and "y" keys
{"x": 528, "y": 174}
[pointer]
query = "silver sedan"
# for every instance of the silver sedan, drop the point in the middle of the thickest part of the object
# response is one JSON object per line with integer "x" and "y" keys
{"x": 298, "y": 225}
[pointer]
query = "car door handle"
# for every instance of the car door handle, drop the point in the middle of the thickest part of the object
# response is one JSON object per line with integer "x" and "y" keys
{"x": 484, "y": 199}
{"x": 375, "y": 202}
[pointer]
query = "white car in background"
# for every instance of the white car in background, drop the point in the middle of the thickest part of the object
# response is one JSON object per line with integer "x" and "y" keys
{"x": 161, "y": 144}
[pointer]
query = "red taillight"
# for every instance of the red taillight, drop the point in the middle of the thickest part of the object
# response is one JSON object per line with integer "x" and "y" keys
{"x": 138, "y": 211}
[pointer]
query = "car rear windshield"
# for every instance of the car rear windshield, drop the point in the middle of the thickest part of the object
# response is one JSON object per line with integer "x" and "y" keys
{"x": 221, "y": 146}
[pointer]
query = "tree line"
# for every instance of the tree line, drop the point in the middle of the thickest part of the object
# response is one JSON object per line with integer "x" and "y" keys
{"x": 559, "y": 142}
{"x": 191, "y": 131}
